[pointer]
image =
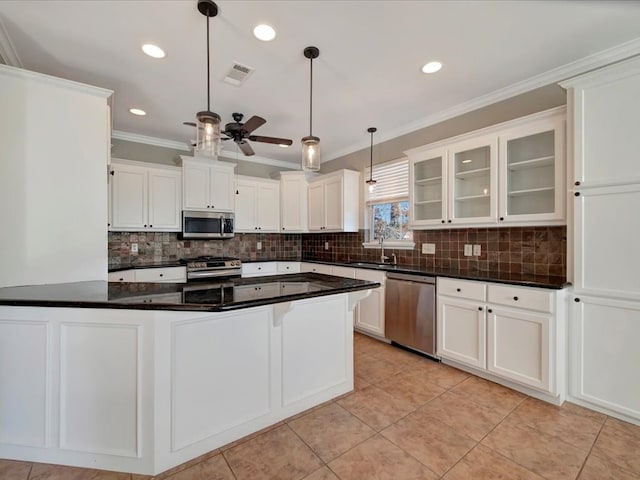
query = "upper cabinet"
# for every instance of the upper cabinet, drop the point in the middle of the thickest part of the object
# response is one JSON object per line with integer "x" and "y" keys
{"x": 513, "y": 173}
{"x": 333, "y": 202}
{"x": 257, "y": 205}
{"x": 145, "y": 197}
{"x": 208, "y": 184}
{"x": 293, "y": 202}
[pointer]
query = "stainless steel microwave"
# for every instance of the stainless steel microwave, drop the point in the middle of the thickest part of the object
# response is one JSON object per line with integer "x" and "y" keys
{"x": 207, "y": 224}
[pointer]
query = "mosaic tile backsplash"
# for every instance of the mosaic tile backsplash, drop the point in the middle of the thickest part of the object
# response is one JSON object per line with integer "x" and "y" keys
{"x": 539, "y": 250}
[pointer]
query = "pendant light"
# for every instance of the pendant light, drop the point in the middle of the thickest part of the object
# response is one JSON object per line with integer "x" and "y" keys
{"x": 371, "y": 182}
{"x": 208, "y": 126}
{"x": 311, "y": 144}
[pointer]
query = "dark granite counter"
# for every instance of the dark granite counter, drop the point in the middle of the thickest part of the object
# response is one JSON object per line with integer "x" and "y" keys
{"x": 215, "y": 296}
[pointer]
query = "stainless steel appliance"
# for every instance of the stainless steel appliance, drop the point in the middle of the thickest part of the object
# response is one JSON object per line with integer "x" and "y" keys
{"x": 410, "y": 313}
{"x": 207, "y": 224}
{"x": 199, "y": 268}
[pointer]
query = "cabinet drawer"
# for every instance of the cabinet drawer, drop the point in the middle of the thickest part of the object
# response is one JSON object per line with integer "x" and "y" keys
{"x": 122, "y": 276}
{"x": 462, "y": 289}
{"x": 288, "y": 267}
{"x": 343, "y": 272}
{"x": 371, "y": 275}
{"x": 259, "y": 268}
{"x": 171, "y": 274}
{"x": 521, "y": 297}
{"x": 317, "y": 268}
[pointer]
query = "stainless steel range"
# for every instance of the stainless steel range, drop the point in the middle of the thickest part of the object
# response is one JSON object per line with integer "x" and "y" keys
{"x": 199, "y": 268}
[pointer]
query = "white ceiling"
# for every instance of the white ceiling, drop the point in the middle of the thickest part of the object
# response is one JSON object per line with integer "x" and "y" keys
{"x": 368, "y": 73}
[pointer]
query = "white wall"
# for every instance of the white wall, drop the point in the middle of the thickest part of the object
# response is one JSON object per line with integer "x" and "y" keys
{"x": 54, "y": 147}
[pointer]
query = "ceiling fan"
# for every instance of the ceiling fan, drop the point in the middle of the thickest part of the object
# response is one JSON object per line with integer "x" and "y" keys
{"x": 241, "y": 132}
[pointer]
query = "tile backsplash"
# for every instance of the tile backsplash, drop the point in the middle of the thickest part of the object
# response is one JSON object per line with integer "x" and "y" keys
{"x": 539, "y": 250}
{"x": 155, "y": 247}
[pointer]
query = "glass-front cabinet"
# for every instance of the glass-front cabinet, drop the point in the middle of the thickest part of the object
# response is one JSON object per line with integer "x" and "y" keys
{"x": 531, "y": 163}
{"x": 473, "y": 180}
{"x": 428, "y": 194}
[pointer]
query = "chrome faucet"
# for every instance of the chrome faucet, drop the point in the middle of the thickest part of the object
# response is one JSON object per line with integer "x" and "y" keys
{"x": 383, "y": 257}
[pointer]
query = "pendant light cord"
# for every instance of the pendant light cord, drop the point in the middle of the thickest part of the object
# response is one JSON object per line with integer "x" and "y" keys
{"x": 311, "y": 100}
{"x": 371, "y": 159}
{"x": 208, "y": 71}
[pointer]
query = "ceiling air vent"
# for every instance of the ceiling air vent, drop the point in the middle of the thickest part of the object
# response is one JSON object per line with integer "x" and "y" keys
{"x": 238, "y": 74}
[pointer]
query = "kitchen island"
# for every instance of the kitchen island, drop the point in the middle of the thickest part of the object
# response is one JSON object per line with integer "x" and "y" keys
{"x": 142, "y": 377}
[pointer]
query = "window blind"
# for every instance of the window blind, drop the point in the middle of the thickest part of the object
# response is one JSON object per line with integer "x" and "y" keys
{"x": 393, "y": 181}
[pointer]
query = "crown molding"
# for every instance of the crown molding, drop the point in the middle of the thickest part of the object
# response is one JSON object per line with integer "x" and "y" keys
{"x": 7, "y": 50}
{"x": 578, "y": 67}
{"x": 232, "y": 155}
{"x": 157, "y": 142}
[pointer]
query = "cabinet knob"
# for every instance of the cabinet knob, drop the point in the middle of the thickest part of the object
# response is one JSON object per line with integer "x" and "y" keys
{"x": 458, "y": 290}
{"x": 145, "y": 226}
{"x": 162, "y": 274}
{"x": 150, "y": 226}
{"x": 577, "y": 300}
{"x": 515, "y": 298}
{"x": 489, "y": 310}
{"x": 502, "y": 219}
{"x": 577, "y": 184}
{"x": 577, "y": 194}
{"x": 122, "y": 279}
{"x": 443, "y": 221}
{"x": 259, "y": 268}
{"x": 282, "y": 228}
{"x": 448, "y": 221}
{"x": 480, "y": 308}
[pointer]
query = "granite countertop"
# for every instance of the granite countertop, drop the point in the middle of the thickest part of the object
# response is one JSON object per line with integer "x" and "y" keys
{"x": 223, "y": 295}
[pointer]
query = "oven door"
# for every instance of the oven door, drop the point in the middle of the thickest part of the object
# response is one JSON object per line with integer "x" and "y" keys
{"x": 202, "y": 224}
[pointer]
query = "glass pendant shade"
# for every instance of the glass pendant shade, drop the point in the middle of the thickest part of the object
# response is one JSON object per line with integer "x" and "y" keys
{"x": 208, "y": 134}
{"x": 311, "y": 153}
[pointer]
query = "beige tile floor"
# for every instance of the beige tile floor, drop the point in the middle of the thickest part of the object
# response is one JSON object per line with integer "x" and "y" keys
{"x": 410, "y": 418}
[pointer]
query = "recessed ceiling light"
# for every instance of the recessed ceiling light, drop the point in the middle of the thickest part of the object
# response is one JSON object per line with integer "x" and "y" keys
{"x": 137, "y": 111}
{"x": 264, "y": 32}
{"x": 153, "y": 50}
{"x": 431, "y": 67}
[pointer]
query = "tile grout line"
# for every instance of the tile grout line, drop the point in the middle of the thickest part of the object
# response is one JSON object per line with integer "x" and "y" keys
{"x": 595, "y": 440}
{"x": 228, "y": 465}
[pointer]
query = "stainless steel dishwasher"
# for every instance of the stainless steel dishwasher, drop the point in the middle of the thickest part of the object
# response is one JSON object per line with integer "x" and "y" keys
{"x": 410, "y": 312}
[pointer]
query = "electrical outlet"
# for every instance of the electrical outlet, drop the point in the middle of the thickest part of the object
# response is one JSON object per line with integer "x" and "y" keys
{"x": 429, "y": 248}
{"x": 468, "y": 250}
{"x": 134, "y": 248}
{"x": 476, "y": 250}
{"x": 326, "y": 245}
{"x": 258, "y": 245}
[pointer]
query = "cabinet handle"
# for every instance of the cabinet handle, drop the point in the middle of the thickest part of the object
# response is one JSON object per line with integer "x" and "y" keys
{"x": 577, "y": 300}
{"x": 480, "y": 308}
{"x": 577, "y": 184}
{"x": 577, "y": 194}
{"x": 458, "y": 290}
{"x": 515, "y": 298}
{"x": 502, "y": 219}
{"x": 112, "y": 172}
{"x": 489, "y": 310}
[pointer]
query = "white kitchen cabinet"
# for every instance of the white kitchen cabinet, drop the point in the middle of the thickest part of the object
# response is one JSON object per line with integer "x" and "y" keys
{"x": 293, "y": 202}
{"x": 153, "y": 275}
{"x": 334, "y": 202}
{"x": 512, "y": 173}
{"x": 145, "y": 197}
{"x": 345, "y": 272}
{"x": 122, "y": 276}
{"x": 208, "y": 184}
{"x": 605, "y": 196}
{"x": 513, "y": 333}
{"x": 369, "y": 314}
{"x": 322, "y": 268}
{"x": 258, "y": 269}
{"x": 288, "y": 267}
{"x": 257, "y": 206}
{"x": 244, "y": 293}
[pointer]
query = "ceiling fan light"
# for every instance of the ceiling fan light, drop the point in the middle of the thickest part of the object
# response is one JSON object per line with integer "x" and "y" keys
{"x": 208, "y": 134}
{"x": 311, "y": 153}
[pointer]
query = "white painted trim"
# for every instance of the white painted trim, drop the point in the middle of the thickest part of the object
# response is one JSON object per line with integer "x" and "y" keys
{"x": 231, "y": 155}
{"x": 7, "y": 50}
{"x": 158, "y": 142}
{"x": 583, "y": 65}
{"x": 58, "y": 82}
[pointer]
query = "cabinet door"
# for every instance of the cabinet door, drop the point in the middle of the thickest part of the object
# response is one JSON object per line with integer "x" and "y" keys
{"x": 222, "y": 188}
{"x": 531, "y": 175}
{"x": 165, "y": 199}
{"x": 293, "y": 204}
{"x": 196, "y": 186}
{"x": 316, "y": 206}
{"x": 518, "y": 347}
{"x": 428, "y": 188}
{"x": 245, "y": 216}
{"x": 462, "y": 331}
{"x": 268, "y": 207}
{"x": 604, "y": 354}
{"x": 370, "y": 312}
{"x": 129, "y": 197}
{"x": 334, "y": 203}
{"x": 473, "y": 181}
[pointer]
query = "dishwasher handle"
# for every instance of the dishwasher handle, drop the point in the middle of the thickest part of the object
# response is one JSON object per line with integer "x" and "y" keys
{"x": 411, "y": 278}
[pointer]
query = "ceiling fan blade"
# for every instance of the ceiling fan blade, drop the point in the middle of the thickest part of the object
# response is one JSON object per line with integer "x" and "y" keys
{"x": 275, "y": 140}
{"x": 246, "y": 148}
{"x": 189, "y": 124}
{"x": 253, "y": 123}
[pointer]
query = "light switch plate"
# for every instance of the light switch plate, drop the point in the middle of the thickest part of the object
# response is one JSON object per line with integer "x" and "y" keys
{"x": 134, "y": 248}
{"x": 429, "y": 248}
{"x": 326, "y": 245}
{"x": 468, "y": 250}
{"x": 476, "y": 250}
{"x": 258, "y": 245}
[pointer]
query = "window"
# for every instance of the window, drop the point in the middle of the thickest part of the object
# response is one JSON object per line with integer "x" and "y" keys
{"x": 388, "y": 204}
